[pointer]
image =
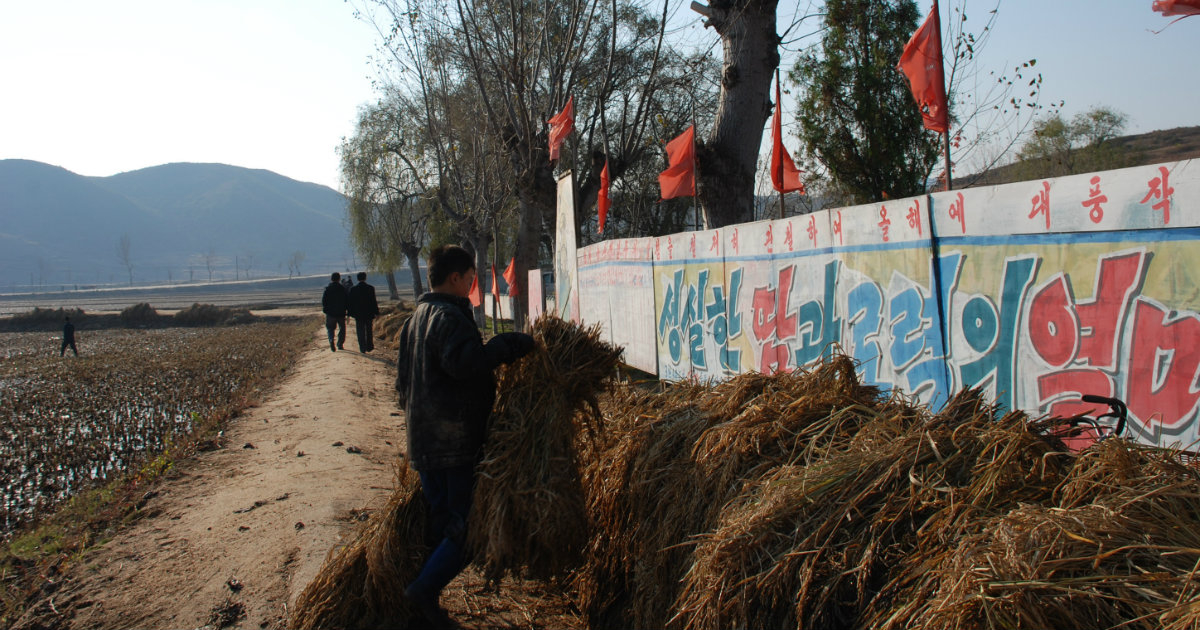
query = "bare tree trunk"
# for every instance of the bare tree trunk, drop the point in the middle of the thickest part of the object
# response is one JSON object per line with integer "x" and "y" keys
{"x": 727, "y": 161}
{"x": 528, "y": 229}
{"x": 414, "y": 268}
{"x": 393, "y": 288}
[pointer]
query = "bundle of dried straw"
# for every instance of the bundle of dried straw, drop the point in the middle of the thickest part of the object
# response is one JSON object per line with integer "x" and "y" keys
{"x": 529, "y": 516}
{"x": 809, "y": 500}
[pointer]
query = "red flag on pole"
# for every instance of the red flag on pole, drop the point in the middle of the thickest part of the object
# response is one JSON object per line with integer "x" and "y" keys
{"x": 1177, "y": 7}
{"x": 679, "y": 180}
{"x": 510, "y": 276}
{"x": 561, "y": 126}
{"x": 476, "y": 293}
{"x": 602, "y": 202}
{"x": 922, "y": 64}
{"x": 784, "y": 174}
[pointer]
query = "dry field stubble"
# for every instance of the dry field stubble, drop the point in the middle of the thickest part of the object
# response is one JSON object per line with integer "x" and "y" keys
{"x": 70, "y": 423}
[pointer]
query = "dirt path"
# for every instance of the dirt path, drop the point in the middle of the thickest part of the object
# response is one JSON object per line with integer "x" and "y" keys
{"x": 234, "y": 535}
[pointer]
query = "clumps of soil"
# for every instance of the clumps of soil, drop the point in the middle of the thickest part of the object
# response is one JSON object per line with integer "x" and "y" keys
{"x": 226, "y": 614}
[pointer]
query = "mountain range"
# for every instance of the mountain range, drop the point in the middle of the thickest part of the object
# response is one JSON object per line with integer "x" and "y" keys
{"x": 185, "y": 222}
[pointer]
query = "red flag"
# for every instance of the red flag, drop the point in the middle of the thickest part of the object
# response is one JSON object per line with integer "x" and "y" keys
{"x": 784, "y": 174}
{"x": 561, "y": 126}
{"x": 602, "y": 201}
{"x": 1177, "y": 7}
{"x": 495, "y": 285}
{"x": 679, "y": 180}
{"x": 510, "y": 276}
{"x": 922, "y": 64}
{"x": 476, "y": 293}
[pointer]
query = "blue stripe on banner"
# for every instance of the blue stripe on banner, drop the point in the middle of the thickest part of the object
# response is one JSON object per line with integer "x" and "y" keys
{"x": 617, "y": 263}
{"x": 1156, "y": 235}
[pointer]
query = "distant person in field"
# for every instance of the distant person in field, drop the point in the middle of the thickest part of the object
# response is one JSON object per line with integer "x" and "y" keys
{"x": 333, "y": 303}
{"x": 347, "y": 284}
{"x": 364, "y": 309}
{"x": 447, "y": 388}
{"x": 68, "y": 338}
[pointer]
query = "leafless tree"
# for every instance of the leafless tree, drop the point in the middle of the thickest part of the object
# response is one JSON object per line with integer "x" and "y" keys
{"x": 210, "y": 262}
{"x": 512, "y": 64}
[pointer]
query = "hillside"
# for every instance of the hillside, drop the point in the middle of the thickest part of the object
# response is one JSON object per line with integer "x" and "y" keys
{"x": 1155, "y": 147}
{"x": 58, "y": 228}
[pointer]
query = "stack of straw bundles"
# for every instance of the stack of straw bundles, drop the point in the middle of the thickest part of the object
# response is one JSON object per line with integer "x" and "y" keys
{"x": 529, "y": 515}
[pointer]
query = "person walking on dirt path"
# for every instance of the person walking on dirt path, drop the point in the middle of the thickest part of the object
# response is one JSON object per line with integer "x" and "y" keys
{"x": 364, "y": 308}
{"x": 68, "y": 338}
{"x": 447, "y": 388}
{"x": 333, "y": 304}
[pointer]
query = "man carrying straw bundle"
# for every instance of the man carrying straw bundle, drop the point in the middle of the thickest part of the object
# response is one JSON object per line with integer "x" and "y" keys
{"x": 447, "y": 387}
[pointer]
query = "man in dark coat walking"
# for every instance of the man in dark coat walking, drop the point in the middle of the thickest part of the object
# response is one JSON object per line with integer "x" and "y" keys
{"x": 364, "y": 309}
{"x": 333, "y": 304}
{"x": 447, "y": 388}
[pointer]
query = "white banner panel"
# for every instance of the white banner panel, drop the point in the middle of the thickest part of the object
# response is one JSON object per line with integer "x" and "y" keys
{"x": 619, "y": 274}
{"x": 566, "y": 274}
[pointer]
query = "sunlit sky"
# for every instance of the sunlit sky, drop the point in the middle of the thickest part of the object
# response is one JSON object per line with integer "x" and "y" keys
{"x": 105, "y": 87}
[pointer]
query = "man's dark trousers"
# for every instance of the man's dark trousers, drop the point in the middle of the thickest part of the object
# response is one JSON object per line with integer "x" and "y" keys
{"x": 339, "y": 323}
{"x": 366, "y": 339}
{"x": 449, "y": 494}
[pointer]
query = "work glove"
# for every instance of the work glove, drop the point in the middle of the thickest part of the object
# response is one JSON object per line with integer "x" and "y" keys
{"x": 508, "y": 347}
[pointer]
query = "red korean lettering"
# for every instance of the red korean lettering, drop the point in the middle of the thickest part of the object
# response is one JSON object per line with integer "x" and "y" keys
{"x": 1066, "y": 387}
{"x": 884, "y": 222}
{"x": 1053, "y": 327}
{"x": 1160, "y": 188}
{"x": 958, "y": 212}
{"x": 1041, "y": 204}
{"x": 1117, "y": 278}
{"x": 914, "y": 216}
{"x": 1095, "y": 198}
{"x": 1164, "y": 362}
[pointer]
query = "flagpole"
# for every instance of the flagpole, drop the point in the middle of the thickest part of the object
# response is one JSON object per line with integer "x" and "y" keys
{"x": 779, "y": 112}
{"x": 937, "y": 16}
{"x": 949, "y": 176}
{"x": 695, "y": 178}
{"x": 495, "y": 257}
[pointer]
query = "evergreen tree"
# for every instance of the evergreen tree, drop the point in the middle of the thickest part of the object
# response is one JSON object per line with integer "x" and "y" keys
{"x": 857, "y": 116}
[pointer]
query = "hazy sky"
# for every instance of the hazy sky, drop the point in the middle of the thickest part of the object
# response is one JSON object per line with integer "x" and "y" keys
{"x": 102, "y": 87}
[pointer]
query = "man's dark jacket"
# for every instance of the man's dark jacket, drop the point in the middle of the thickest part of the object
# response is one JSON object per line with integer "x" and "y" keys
{"x": 362, "y": 302}
{"x": 445, "y": 382}
{"x": 334, "y": 300}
